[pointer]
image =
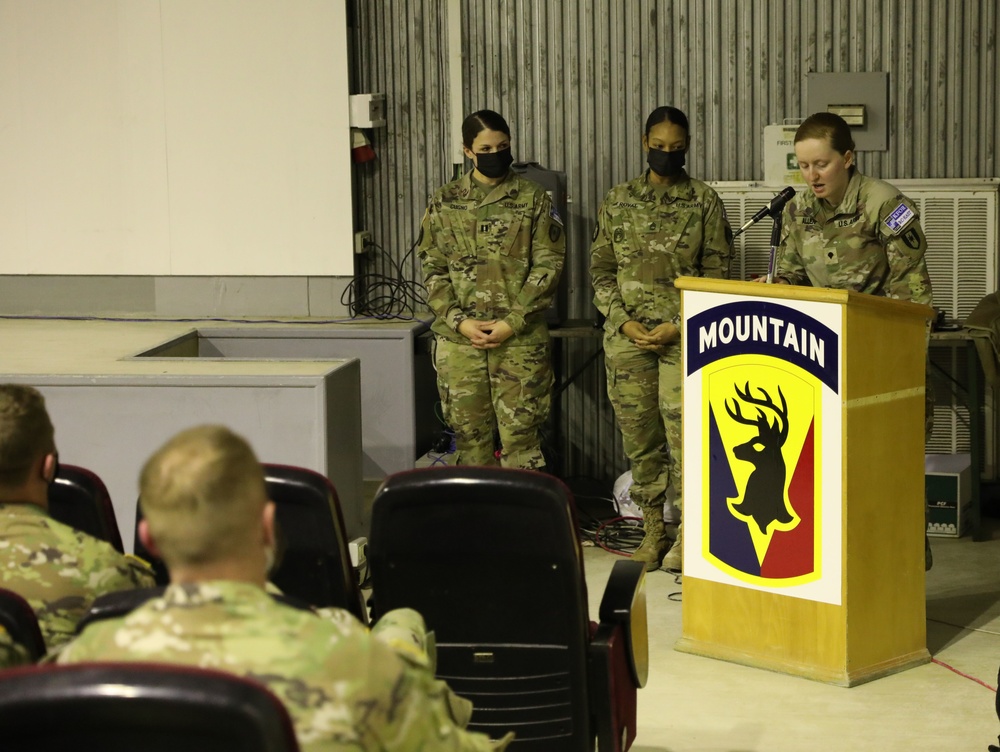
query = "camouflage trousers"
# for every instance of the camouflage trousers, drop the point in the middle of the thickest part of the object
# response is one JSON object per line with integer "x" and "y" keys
{"x": 645, "y": 391}
{"x": 506, "y": 390}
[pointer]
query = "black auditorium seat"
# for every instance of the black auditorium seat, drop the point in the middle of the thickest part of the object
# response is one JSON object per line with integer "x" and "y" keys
{"x": 491, "y": 558}
{"x": 121, "y": 707}
{"x": 79, "y": 498}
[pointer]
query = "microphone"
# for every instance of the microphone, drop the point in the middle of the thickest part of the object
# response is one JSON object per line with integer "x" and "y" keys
{"x": 773, "y": 207}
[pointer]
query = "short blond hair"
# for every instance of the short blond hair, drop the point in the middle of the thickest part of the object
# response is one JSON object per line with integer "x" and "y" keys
{"x": 202, "y": 494}
{"x": 26, "y": 432}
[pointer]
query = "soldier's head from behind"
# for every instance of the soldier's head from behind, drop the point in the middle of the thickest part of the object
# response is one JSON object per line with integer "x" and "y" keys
{"x": 824, "y": 149}
{"x": 28, "y": 459}
{"x": 205, "y": 507}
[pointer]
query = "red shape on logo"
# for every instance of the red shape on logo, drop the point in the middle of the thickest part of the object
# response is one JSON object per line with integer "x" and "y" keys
{"x": 792, "y": 552}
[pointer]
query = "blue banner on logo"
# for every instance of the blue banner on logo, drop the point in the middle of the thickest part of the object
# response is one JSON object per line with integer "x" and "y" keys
{"x": 756, "y": 327}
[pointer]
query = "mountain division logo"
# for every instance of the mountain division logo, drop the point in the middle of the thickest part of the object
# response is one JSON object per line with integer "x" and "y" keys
{"x": 764, "y": 368}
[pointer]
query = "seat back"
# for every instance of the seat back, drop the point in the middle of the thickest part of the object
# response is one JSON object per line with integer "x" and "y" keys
{"x": 313, "y": 563}
{"x": 18, "y": 618}
{"x": 490, "y": 557}
{"x": 79, "y": 498}
{"x": 116, "y": 707}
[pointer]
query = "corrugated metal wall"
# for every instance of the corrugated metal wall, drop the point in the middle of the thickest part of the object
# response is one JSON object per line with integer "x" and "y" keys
{"x": 576, "y": 80}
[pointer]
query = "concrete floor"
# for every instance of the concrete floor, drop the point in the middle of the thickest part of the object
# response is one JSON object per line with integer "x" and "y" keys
{"x": 696, "y": 704}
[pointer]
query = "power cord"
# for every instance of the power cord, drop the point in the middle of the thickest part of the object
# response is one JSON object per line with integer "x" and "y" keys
{"x": 385, "y": 294}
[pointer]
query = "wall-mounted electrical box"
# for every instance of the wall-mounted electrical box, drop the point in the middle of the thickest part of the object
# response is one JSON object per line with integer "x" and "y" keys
{"x": 862, "y": 99}
{"x": 853, "y": 114}
{"x": 367, "y": 110}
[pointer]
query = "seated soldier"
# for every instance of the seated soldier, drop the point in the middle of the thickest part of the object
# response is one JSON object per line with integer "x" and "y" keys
{"x": 206, "y": 514}
{"x": 57, "y": 569}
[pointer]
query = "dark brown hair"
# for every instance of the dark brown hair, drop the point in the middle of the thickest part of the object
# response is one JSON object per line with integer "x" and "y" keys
{"x": 826, "y": 125}
{"x": 480, "y": 121}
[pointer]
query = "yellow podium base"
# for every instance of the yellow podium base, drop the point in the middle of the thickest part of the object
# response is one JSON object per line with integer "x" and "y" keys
{"x": 840, "y": 678}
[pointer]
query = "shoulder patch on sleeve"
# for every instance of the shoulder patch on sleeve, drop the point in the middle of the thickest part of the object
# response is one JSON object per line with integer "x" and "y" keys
{"x": 899, "y": 218}
{"x": 555, "y": 215}
{"x": 912, "y": 238}
{"x": 597, "y": 231}
{"x": 554, "y": 232}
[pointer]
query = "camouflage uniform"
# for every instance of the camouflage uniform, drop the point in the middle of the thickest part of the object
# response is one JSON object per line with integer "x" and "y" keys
{"x": 493, "y": 252}
{"x": 646, "y": 237}
{"x": 343, "y": 689}
{"x": 59, "y": 570}
{"x": 872, "y": 242}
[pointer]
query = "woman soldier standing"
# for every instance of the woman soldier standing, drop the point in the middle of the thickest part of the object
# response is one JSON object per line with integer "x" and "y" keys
{"x": 651, "y": 230}
{"x": 492, "y": 249}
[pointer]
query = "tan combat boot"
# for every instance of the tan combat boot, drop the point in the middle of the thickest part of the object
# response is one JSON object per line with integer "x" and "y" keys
{"x": 673, "y": 561}
{"x": 655, "y": 540}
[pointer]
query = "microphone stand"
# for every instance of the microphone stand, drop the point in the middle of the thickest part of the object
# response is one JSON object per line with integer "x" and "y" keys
{"x": 775, "y": 240}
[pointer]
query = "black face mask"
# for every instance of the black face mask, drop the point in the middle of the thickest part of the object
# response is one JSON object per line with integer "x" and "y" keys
{"x": 494, "y": 164}
{"x": 666, "y": 164}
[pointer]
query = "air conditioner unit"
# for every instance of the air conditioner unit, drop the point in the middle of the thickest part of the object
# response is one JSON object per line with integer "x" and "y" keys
{"x": 960, "y": 219}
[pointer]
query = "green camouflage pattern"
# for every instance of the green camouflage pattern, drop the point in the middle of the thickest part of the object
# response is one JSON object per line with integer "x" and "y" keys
{"x": 858, "y": 245}
{"x": 344, "y": 689}
{"x": 646, "y": 237}
{"x": 59, "y": 570}
{"x": 645, "y": 391}
{"x": 12, "y": 653}
{"x": 507, "y": 390}
{"x": 492, "y": 253}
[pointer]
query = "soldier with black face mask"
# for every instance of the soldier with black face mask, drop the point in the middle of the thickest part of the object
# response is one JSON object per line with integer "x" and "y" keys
{"x": 492, "y": 249}
{"x": 651, "y": 230}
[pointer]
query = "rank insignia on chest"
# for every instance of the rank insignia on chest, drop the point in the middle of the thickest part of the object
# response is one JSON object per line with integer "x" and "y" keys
{"x": 619, "y": 235}
{"x": 484, "y": 227}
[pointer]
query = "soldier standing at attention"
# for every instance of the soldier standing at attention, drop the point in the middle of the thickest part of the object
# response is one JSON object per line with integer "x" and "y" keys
{"x": 206, "y": 513}
{"x": 492, "y": 249}
{"x": 651, "y": 230}
{"x": 850, "y": 231}
{"x": 57, "y": 569}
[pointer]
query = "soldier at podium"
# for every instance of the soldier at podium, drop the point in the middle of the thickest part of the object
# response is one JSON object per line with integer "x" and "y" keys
{"x": 850, "y": 231}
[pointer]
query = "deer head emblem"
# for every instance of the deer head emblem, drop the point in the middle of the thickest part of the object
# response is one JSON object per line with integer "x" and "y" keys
{"x": 764, "y": 496}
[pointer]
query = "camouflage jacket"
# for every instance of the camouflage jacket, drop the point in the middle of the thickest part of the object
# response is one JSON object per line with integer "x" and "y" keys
{"x": 344, "y": 689}
{"x": 492, "y": 253}
{"x": 59, "y": 570}
{"x": 871, "y": 243}
{"x": 646, "y": 237}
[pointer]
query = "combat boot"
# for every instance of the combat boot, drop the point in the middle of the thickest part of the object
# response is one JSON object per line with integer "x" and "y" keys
{"x": 655, "y": 541}
{"x": 673, "y": 561}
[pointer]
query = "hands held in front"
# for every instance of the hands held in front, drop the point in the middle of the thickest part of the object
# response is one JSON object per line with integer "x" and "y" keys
{"x": 485, "y": 335}
{"x": 655, "y": 340}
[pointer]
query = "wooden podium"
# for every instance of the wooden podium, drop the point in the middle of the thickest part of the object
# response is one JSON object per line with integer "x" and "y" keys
{"x": 803, "y": 479}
